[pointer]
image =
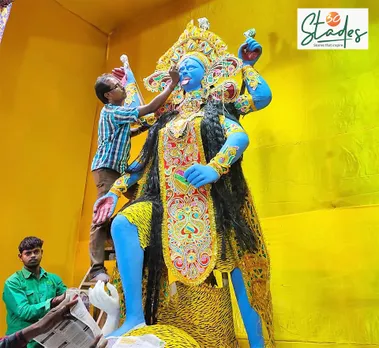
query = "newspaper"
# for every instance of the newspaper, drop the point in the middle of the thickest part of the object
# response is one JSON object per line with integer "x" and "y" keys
{"x": 77, "y": 331}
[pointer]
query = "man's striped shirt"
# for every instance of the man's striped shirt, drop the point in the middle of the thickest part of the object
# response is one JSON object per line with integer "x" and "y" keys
{"x": 113, "y": 145}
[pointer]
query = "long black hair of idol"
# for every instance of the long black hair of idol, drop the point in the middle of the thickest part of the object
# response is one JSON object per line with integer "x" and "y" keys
{"x": 228, "y": 195}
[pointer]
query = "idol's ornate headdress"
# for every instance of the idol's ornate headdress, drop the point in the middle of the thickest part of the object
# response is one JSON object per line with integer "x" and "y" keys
{"x": 5, "y": 3}
{"x": 205, "y": 46}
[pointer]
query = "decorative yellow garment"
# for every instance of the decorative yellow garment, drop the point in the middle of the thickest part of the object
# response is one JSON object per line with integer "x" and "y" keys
{"x": 171, "y": 335}
{"x": 192, "y": 246}
{"x": 189, "y": 235}
{"x": 205, "y": 312}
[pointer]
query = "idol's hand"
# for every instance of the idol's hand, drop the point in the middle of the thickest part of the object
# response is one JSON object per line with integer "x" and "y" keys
{"x": 250, "y": 51}
{"x": 118, "y": 73}
{"x": 109, "y": 303}
{"x": 104, "y": 208}
{"x": 199, "y": 175}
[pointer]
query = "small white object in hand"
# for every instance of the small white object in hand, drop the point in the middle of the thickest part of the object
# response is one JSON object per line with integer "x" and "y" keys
{"x": 203, "y": 23}
{"x": 124, "y": 59}
{"x": 250, "y": 33}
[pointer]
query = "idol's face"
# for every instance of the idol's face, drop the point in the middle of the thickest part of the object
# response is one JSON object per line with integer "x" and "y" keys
{"x": 191, "y": 73}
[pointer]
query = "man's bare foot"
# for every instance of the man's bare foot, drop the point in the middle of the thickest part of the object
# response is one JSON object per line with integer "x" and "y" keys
{"x": 102, "y": 277}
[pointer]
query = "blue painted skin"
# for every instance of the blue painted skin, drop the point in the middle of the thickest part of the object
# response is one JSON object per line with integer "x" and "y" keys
{"x": 262, "y": 95}
{"x": 131, "y": 263}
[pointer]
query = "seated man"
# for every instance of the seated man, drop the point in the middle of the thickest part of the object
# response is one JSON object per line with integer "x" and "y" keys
{"x": 31, "y": 292}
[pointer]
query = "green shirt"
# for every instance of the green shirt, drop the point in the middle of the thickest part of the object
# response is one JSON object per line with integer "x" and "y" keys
{"x": 27, "y": 298}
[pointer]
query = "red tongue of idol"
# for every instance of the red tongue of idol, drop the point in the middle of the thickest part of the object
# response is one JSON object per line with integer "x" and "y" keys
{"x": 185, "y": 81}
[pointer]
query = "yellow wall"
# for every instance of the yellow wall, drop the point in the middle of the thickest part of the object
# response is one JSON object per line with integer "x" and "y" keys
{"x": 312, "y": 151}
{"x": 49, "y": 60}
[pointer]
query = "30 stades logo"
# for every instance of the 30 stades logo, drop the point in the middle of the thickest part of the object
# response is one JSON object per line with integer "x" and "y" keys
{"x": 332, "y": 29}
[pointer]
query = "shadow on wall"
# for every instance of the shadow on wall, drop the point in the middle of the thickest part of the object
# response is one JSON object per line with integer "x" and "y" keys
{"x": 282, "y": 53}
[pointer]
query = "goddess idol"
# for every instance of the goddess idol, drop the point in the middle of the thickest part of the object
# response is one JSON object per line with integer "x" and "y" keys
{"x": 193, "y": 215}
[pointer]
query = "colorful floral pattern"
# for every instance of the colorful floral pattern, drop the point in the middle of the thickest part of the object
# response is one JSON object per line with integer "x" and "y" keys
{"x": 120, "y": 186}
{"x": 131, "y": 90}
{"x": 245, "y": 104}
{"x": 230, "y": 127}
{"x": 250, "y": 76}
{"x": 223, "y": 160}
{"x": 188, "y": 230}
